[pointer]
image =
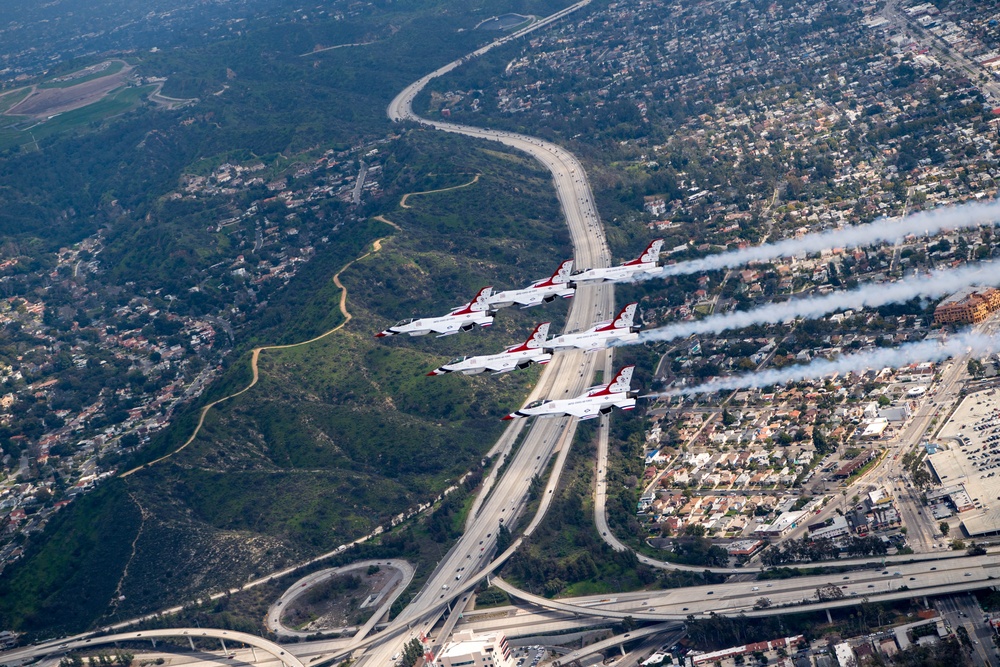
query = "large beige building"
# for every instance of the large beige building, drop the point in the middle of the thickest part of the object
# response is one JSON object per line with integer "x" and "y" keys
{"x": 469, "y": 650}
{"x": 968, "y": 306}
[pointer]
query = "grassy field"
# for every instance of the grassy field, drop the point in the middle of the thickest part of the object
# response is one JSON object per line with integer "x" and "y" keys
{"x": 114, "y": 104}
{"x": 7, "y": 100}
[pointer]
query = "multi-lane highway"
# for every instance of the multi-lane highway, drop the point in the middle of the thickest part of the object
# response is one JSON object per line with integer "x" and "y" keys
{"x": 28, "y": 653}
{"x": 505, "y": 496}
{"x": 566, "y": 376}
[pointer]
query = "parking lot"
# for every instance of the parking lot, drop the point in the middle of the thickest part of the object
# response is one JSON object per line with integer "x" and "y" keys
{"x": 968, "y": 465}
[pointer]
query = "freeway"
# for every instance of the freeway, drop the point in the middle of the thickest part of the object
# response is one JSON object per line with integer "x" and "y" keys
{"x": 618, "y": 640}
{"x": 34, "y": 652}
{"x": 788, "y": 596}
{"x": 567, "y": 375}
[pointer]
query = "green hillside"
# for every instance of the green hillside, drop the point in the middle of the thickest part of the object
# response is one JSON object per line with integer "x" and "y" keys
{"x": 339, "y": 435}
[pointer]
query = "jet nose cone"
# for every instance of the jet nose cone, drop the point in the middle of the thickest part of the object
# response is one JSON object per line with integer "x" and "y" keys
{"x": 435, "y": 372}
{"x": 508, "y": 418}
{"x": 382, "y": 334}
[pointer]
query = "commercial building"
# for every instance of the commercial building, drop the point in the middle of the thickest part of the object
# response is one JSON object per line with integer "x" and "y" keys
{"x": 470, "y": 650}
{"x": 967, "y": 466}
{"x": 896, "y": 413}
{"x": 744, "y": 547}
{"x": 830, "y": 530}
{"x": 969, "y": 306}
{"x": 787, "y": 643}
{"x": 845, "y": 655}
{"x": 780, "y": 526}
{"x": 859, "y": 461}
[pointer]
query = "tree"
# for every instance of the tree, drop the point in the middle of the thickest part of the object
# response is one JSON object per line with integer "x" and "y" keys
{"x": 411, "y": 653}
{"x": 975, "y": 368}
{"x": 976, "y": 550}
{"x": 829, "y": 592}
{"x": 503, "y": 538}
{"x": 944, "y": 528}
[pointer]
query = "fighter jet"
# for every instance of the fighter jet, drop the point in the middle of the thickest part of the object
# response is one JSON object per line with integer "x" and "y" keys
{"x": 646, "y": 263}
{"x": 464, "y": 318}
{"x": 517, "y": 356}
{"x": 597, "y": 401}
{"x": 540, "y": 291}
{"x": 601, "y": 335}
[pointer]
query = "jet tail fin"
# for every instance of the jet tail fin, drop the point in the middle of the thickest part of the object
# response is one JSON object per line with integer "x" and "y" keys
{"x": 561, "y": 275}
{"x": 621, "y": 383}
{"x": 650, "y": 254}
{"x": 480, "y": 302}
{"x": 535, "y": 341}
{"x": 623, "y": 320}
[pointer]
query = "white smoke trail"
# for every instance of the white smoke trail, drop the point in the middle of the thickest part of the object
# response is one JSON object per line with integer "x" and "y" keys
{"x": 872, "y": 295}
{"x": 923, "y": 223}
{"x": 928, "y": 350}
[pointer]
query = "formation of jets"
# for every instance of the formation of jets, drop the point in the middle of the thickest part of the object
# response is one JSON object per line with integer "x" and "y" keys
{"x": 538, "y": 348}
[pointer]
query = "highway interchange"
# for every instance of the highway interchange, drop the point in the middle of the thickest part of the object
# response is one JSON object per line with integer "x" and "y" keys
{"x": 504, "y": 497}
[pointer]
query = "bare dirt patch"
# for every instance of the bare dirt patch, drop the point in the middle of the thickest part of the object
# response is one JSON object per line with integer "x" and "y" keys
{"x": 343, "y": 601}
{"x": 43, "y": 102}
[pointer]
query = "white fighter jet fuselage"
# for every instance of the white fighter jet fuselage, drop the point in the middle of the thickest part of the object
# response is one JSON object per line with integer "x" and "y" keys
{"x": 601, "y": 335}
{"x": 646, "y": 263}
{"x": 540, "y": 291}
{"x": 514, "y": 357}
{"x": 475, "y": 313}
{"x": 595, "y": 402}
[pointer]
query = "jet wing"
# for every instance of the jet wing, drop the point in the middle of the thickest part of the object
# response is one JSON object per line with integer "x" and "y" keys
{"x": 503, "y": 365}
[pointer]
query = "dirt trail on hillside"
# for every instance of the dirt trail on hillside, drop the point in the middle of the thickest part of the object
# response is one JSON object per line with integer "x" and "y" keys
{"x": 255, "y": 354}
{"x": 402, "y": 201}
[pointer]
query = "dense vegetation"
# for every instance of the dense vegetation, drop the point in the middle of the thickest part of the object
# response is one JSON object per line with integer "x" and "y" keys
{"x": 339, "y": 435}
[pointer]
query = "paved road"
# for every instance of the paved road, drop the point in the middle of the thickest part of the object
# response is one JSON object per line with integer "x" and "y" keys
{"x": 674, "y": 628}
{"x": 567, "y": 375}
{"x": 944, "y": 53}
{"x": 34, "y": 652}
{"x": 359, "y": 184}
{"x": 786, "y": 596}
{"x": 402, "y": 574}
{"x": 964, "y": 611}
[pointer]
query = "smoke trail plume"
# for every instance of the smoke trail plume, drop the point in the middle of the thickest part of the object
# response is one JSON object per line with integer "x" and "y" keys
{"x": 872, "y": 295}
{"x": 928, "y": 350}
{"x": 925, "y": 222}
